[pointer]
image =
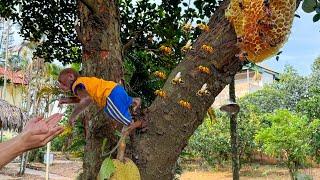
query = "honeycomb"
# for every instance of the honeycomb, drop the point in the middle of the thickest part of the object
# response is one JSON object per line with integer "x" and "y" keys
{"x": 262, "y": 26}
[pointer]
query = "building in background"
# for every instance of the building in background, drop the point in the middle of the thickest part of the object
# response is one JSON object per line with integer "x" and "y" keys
{"x": 12, "y": 90}
{"x": 249, "y": 80}
{"x": 15, "y": 87}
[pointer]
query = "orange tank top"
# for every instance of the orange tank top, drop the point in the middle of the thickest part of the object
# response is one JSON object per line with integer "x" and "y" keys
{"x": 98, "y": 89}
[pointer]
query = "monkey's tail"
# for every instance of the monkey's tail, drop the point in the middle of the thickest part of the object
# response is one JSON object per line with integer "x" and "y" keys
{"x": 121, "y": 140}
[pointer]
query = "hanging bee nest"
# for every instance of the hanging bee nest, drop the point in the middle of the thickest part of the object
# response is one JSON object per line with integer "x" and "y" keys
{"x": 11, "y": 117}
{"x": 262, "y": 26}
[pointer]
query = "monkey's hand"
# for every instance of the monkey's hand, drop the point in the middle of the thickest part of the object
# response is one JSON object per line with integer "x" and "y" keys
{"x": 62, "y": 101}
{"x": 68, "y": 100}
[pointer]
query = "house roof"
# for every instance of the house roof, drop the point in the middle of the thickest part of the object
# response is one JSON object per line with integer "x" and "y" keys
{"x": 262, "y": 69}
{"x": 16, "y": 77}
{"x": 12, "y": 117}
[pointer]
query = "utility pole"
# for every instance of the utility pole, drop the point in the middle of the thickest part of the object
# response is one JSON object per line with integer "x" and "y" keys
{"x": 234, "y": 135}
{"x": 232, "y": 108}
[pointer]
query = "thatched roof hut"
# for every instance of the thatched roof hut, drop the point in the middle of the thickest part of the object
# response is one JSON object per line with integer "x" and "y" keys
{"x": 11, "y": 117}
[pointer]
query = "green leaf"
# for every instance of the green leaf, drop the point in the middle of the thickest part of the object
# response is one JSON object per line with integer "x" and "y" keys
{"x": 106, "y": 170}
{"x": 309, "y": 5}
{"x": 316, "y": 17}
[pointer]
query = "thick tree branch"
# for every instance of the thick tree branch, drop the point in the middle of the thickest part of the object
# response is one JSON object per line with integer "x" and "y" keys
{"x": 130, "y": 43}
{"x": 170, "y": 125}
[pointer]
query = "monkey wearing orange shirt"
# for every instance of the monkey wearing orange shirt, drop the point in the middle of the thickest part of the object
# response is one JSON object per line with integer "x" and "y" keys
{"x": 108, "y": 95}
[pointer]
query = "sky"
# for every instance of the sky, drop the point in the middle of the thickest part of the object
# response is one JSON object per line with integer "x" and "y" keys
{"x": 302, "y": 48}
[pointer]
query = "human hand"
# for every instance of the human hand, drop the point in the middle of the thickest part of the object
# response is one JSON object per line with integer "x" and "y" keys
{"x": 38, "y": 132}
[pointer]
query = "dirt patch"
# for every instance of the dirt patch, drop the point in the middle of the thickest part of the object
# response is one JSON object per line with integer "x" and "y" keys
{"x": 10, "y": 172}
{"x": 60, "y": 169}
{"x": 65, "y": 168}
{"x": 202, "y": 175}
{"x": 259, "y": 172}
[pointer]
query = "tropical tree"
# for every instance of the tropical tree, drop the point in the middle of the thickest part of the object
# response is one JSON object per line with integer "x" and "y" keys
{"x": 309, "y": 105}
{"x": 211, "y": 141}
{"x": 288, "y": 137}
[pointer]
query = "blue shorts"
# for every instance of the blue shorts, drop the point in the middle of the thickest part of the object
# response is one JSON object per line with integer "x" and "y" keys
{"x": 118, "y": 104}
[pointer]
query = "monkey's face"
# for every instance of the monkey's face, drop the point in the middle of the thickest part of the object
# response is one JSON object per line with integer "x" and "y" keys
{"x": 66, "y": 82}
{"x": 63, "y": 86}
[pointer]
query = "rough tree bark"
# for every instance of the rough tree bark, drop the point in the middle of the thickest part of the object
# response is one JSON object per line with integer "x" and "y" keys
{"x": 99, "y": 33}
{"x": 170, "y": 125}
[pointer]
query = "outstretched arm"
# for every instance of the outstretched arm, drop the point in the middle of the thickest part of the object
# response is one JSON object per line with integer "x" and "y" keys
{"x": 69, "y": 100}
{"x": 37, "y": 132}
{"x": 85, "y": 101}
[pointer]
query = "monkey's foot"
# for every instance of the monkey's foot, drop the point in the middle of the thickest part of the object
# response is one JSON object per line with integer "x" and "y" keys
{"x": 136, "y": 106}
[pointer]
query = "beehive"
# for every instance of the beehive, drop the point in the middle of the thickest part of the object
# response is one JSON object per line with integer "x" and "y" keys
{"x": 262, "y": 26}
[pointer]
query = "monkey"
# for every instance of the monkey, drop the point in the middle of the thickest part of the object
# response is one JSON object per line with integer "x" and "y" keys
{"x": 108, "y": 95}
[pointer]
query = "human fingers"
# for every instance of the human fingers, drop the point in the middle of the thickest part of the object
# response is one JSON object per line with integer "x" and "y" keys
{"x": 53, "y": 120}
{"x": 39, "y": 128}
{"x": 53, "y": 133}
{"x": 35, "y": 119}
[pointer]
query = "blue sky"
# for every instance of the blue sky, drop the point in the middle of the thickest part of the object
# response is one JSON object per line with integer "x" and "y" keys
{"x": 302, "y": 48}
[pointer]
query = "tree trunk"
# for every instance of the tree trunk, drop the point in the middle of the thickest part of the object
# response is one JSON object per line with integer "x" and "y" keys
{"x": 170, "y": 125}
{"x": 99, "y": 33}
{"x": 234, "y": 134}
